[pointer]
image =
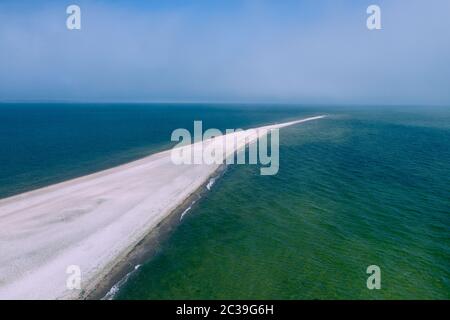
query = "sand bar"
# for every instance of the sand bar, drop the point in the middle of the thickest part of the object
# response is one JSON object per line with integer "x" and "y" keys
{"x": 91, "y": 222}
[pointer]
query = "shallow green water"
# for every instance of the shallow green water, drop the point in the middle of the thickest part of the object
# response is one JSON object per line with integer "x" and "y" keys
{"x": 357, "y": 189}
{"x": 362, "y": 187}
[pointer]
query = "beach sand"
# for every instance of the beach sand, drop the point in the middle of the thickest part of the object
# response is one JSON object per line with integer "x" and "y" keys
{"x": 93, "y": 222}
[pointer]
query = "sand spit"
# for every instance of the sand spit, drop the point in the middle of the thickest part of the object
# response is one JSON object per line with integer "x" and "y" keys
{"x": 92, "y": 222}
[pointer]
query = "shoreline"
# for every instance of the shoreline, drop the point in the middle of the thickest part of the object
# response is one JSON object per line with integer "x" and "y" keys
{"x": 149, "y": 246}
{"x": 105, "y": 223}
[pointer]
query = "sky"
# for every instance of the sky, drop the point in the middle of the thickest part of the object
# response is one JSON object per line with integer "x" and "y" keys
{"x": 310, "y": 51}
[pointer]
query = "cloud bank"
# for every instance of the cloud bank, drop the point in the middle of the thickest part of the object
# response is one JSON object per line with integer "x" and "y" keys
{"x": 290, "y": 51}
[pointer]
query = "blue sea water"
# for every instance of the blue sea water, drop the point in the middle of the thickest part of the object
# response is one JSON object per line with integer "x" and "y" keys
{"x": 365, "y": 186}
{"x": 43, "y": 143}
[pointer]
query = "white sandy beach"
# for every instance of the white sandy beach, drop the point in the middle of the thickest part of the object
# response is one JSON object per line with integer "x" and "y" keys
{"x": 92, "y": 222}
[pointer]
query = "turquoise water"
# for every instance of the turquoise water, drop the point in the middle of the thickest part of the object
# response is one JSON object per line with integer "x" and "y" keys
{"x": 362, "y": 187}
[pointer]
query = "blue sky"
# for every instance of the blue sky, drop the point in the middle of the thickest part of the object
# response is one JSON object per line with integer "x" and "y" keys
{"x": 315, "y": 51}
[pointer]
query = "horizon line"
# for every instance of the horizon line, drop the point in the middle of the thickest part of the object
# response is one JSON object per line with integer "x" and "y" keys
{"x": 231, "y": 102}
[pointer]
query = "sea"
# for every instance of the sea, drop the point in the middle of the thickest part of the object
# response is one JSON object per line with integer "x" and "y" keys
{"x": 365, "y": 186}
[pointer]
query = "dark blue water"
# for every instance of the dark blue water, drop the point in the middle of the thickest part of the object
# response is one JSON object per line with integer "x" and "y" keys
{"x": 42, "y": 144}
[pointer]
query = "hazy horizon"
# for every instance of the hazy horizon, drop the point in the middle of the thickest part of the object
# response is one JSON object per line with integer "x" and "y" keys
{"x": 295, "y": 52}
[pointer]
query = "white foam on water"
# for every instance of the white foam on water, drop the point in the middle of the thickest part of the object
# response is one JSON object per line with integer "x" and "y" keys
{"x": 115, "y": 288}
{"x": 186, "y": 211}
{"x": 210, "y": 183}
